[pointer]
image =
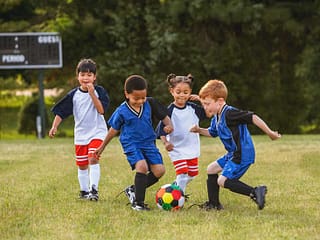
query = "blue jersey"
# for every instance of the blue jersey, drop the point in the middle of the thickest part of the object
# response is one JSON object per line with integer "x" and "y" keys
{"x": 231, "y": 127}
{"x": 136, "y": 129}
{"x": 89, "y": 124}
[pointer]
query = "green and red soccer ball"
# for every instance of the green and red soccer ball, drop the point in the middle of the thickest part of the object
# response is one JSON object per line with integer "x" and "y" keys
{"x": 170, "y": 197}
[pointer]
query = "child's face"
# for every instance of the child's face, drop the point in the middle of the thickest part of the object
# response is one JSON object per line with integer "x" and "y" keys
{"x": 86, "y": 78}
{"x": 136, "y": 98}
{"x": 211, "y": 106}
{"x": 181, "y": 93}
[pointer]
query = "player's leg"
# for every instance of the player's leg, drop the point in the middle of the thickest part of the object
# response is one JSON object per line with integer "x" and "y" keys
{"x": 140, "y": 184}
{"x": 155, "y": 165}
{"x": 81, "y": 152}
{"x": 213, "y": 188}
{"x": 181, "y": 169}
{"x": 94, "y": 169}
{"x": 193, "y": 169}
{"x": 230, "y": 179}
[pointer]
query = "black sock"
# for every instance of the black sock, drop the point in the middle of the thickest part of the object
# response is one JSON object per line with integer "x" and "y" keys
{"x": 140, "y": 183}
{"x": 213, "y": 189}
{"x": 151, "y": 179}
{"x": 237, "y": 186}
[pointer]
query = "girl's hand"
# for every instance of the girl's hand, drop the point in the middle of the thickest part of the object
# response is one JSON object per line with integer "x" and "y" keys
{"x": 168, "y": 146}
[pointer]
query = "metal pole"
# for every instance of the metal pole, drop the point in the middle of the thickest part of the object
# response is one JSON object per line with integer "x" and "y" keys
{"x": 41, "y": 108}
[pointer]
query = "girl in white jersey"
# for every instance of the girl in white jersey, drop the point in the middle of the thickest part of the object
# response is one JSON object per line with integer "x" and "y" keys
{"x": 182, "y": 145}
{"x": 87, "y": 103}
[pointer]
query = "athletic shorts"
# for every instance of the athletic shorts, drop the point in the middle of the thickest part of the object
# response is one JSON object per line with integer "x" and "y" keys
{"x": 186, "y": 166}
{"x": 230, "y": 169}
{"x": 151, "y": 154}
{"x": 84, "y": 152}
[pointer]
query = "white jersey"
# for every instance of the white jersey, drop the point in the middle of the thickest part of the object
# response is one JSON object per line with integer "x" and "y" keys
{"x": 186, "y": 145}
{"x": 88, "y": 123}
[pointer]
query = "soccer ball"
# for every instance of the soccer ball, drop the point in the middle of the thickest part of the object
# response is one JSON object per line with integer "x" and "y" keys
{"x": 170, "y": 197}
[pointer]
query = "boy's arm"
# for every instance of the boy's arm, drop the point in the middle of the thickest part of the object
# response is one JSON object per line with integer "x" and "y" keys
{"x": 111, "y": 134}
{"x": 56, "y": 122}
{"x": 202, "y": 131}
{"x": 168, "y": 145}
{"x": 97, "y": 103}
{"x": 264, "y": 127}
{"x": 168, "y": 127}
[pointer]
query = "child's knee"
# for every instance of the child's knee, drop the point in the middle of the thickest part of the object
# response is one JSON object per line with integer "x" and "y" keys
{"x": 159, "y": 171}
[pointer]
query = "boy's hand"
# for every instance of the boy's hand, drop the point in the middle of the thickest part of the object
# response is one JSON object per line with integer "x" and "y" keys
{"x": 194, "y": 97}
{"x": 99, "y": 151}
{"x": 52, "y": 132}
{"x": 274, "y": 135}
{"x": 195, "y": 129}
{"x": 90, "y": 88}
{"x": 168, "y": 129}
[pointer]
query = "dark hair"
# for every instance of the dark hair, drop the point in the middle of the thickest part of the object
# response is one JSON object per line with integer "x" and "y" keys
{"x": 173, "y": 80}
{"x": 135, "y": 82}
{"x": 86, "y": 65}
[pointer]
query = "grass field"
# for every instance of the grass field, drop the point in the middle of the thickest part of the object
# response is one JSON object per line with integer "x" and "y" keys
{"x": 39, "y": 188}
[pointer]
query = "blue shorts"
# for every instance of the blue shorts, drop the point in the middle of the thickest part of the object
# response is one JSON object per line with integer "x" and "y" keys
{"x": 230, "y": 169}
{"x": 151, "y": 154}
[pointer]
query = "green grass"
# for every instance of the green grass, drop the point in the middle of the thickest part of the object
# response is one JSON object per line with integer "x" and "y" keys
{"x": 39, "y": 187}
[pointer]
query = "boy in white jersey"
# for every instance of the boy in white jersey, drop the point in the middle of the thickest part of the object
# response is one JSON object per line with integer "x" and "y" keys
{"x": 87, "y": 103}
{"x": 182, "y": 145}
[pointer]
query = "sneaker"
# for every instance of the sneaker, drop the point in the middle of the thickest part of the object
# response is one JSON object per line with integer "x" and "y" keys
{"x": 140, "y": 206}
{"x": 93, "y": 195}
{"x": 258, "y": 196}
{"x": 210, "y": 206}
{"x": 84, "y": 195}
{"x": 186, "y": 197}
{"x": 129, "y": 191}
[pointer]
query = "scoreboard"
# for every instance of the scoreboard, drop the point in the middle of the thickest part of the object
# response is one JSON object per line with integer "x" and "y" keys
{"x": 30, "y": 50}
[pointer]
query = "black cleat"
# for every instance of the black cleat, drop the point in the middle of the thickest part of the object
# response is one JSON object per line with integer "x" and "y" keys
{"x": 210, "y": 206}
{"x": 84, "y": 195}
{"x": 139, "y": 206}
{"x": 129, "y": 191}
{"x": 93, "y": 195}
{"x": 258, "y": 196}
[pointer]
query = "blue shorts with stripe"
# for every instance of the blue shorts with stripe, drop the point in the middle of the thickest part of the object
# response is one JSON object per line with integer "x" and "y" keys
{"x": 150, "y": 153}
{"x": 232, "y": 170}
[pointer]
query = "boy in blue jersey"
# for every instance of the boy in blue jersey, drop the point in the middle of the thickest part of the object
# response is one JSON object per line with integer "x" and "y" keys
{"x": 133, "y": 119}
{"x": 230, "y": 124}
{"x": 87, "y": 103}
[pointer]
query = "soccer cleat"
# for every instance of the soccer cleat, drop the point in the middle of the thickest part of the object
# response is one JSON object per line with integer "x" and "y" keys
{"x": 129, "y": 191}
{"x": 84, "y": 195}
{"x": 186, "y": 197}
{"x": 210, "y": 206}
{"x": 93, "y": 195}
{"x": 139, "y": 206}
{"x": 258, "y": 196}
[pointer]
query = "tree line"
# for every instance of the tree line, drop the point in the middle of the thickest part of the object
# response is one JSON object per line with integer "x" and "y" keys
{"x": 267, "y": 52}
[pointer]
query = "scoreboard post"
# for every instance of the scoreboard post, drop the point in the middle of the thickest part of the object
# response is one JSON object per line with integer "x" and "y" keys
{"x": 32, "y": 50}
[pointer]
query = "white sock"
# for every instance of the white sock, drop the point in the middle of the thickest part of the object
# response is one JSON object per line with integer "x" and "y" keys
{"x": 83, "y": 177}
{"x": 94, "y": 175}
{"x": 182, "y": 181}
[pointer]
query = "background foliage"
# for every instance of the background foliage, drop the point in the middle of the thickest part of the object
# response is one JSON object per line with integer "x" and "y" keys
{"x": 267, "y": 51}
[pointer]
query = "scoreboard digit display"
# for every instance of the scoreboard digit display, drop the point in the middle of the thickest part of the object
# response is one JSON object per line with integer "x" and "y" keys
{"x": 30, "y": 50}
